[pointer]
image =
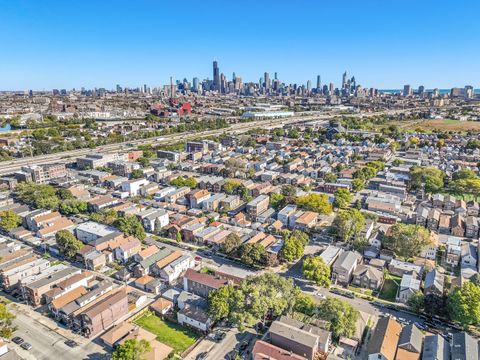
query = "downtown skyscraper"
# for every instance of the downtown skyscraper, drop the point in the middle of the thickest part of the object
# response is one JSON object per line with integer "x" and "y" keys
{"x": 216, "y": 76}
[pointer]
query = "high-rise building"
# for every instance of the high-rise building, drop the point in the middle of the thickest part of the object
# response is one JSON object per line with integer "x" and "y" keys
{"x": 421, "y": 90}
{"x": 195, "y": 84}
{"x": 319, "y": 82}
{"x": 344, "y": 80}
{"x": 309, "y": 86}
{"x": 275, "y": 76}
{"x": 407, "y": 90}
{"x": 216, "y": 76}
{"x": 331, "y": 88}
{"x": 267, "y": 81}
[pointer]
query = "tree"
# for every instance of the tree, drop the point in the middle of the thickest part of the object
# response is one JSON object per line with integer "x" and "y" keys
{"x": 144, "y": 161}
{"x": 315, "y": 269}
{"x": 38, "y": 195}
{"x": 276, "y": 200}
{"x": 219, "y": 302}
{"x": 305, "y": 304}
{"x": 132, "y": 349}
{"x": 130, "y": 226}
{"x": 182, "y": 181}
{"x": 330, "y": 178}
{"x": 231, "y": 243}
{"x": 252, "y": 254}
{"x": 416, "y": 302}
{"x": 179, "y": 237}
{"x": 6, "y": 322}
{"x": 407, "y": 240}
{"x": 348, "y": 224}
{"x": 431, "y": 178}
{"x": 288, "y": 190}
{"x": 64, "y": 194}
{"x": 293, "y": 245}
{"x": 67, "y": 243}
{"x": 9, "y": 220}
{"x": 253, "y": 299}
{"x": 315, "y": 202}
{"x": 343, "y": 198}
{"x": 136, "y": 174}
{"x": 358, "y": 184}
{"x": 158, "y": 226}
{"x": 73, "y": 207}
{"x": 230, "y": 186}
{"x": 341, "y": 315}
{"x": 463, "y": 304}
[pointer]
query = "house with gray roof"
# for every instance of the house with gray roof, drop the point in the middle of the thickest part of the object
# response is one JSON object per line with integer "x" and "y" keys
{"x": 464, "y": 347}
{"x": 344, "y": 266}
{"x": 433, "y": 284}
{"x": 410, "y": 343}
{"x": 435, "y": 347}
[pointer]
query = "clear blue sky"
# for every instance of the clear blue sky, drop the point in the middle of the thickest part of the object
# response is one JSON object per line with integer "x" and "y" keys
{"x": 65, "y": 43}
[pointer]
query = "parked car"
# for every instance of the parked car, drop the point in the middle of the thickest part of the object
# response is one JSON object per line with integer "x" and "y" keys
{"x": 202, "y": 356}
{"x": 26, "y": 346}
{"x": 18, "y": 340}
{"x": 232, "y": 355}
{"x": 71, "y": 343}
{"x": 220, "y": 335}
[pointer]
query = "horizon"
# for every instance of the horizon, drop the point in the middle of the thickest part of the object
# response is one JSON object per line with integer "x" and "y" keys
{"x": 55, "y": 44}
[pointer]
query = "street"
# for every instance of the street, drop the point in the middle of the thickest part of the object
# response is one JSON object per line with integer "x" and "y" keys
{"x": 49, "y": 344}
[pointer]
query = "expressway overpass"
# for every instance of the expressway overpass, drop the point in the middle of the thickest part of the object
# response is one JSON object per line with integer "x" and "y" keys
{"x": 8, "y": 167}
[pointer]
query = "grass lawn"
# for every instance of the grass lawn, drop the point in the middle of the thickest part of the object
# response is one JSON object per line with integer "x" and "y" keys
{"x": 173, "y": 335}
{"x": 390, "y": 287}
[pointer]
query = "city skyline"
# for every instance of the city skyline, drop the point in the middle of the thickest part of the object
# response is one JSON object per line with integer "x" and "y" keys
{"x": 97, "y": 45}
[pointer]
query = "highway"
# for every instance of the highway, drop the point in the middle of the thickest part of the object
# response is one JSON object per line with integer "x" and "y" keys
{"x": 8, "y": 167}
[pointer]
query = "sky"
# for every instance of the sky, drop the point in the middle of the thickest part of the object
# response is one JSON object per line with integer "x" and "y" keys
{"x": 68, "y": 44}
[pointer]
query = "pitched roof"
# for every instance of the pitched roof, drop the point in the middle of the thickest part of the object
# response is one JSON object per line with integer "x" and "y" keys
{"x": 205, "y": 279}
{"x": 385, "y": 338}
{"x": 265, "y": 351}
{"x": 68, "y": 297}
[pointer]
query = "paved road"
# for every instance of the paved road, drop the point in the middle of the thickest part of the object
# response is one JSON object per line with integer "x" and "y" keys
{"x": 48, "y": 344}
{"x": 231, "y": 342}
{"x": 11, "y": 166}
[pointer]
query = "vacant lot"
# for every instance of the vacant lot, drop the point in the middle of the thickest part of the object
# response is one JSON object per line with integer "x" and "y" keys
{"x": 447, "y": 125}
{"x": 173, "y": 335}
{"x": 390, "y": 288}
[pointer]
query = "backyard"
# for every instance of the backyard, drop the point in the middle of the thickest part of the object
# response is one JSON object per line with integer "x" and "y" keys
{"x": 390, "y": 288}
{"x": 173, "y": 335}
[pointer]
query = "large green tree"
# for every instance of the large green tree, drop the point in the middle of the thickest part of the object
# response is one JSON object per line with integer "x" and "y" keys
{"x": 315, "y": 202}
{"x": 407, "y": 240}
{"x": 252, "y": 254}
{"x": 348, "y": 224}
{"x": 463, "y": 305}
{"x": 6, "y": 322}
{"x": 38, "y": 195}
{"x": 73, "y": 207}
{"x": 67, "y": 243}
{"x": 9, "y": 220}
{"x": 231, "y": 243}
{"x": 293, "y": 245}
{"x": 343, "y": 198}
{"x": 315, "y": 269}
{"x": 431, "y": 178}
{"x": 341, "y": 315}
{"x": 254, "y": 299}
{"x": 130, "y": 226}
{"x": 132, "y": 349}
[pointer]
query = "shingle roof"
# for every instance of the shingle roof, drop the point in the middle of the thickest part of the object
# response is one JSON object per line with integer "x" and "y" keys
{"x": 385, "y": 338}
